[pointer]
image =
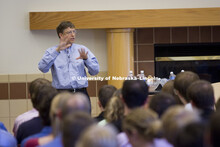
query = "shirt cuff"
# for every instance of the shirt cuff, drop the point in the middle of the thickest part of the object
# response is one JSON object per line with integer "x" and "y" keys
{"x": 54, "y": 53}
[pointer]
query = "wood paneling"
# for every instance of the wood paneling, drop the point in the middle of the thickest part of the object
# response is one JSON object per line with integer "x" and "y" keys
{"x": 127, "y": 18}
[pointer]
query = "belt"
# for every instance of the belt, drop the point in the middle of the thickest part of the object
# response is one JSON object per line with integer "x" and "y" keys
{"x": 73, "y": 90}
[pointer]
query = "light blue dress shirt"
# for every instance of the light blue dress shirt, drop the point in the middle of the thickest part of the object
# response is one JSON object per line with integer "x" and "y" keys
{"x": 67, "y": 72}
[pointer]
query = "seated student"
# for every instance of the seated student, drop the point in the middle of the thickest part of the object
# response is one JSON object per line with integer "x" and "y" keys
{"x": 33, "y": 89}
{"x": 47, "y": 93}
{"x": 143, "y": 128}
{"x": 73, "y": 126}
{"x": 161, "y": 102}
{"x": 168, "y": 87}
{"x": 75, "y": 102}
{"x": 114, "y": 113}
{"x": 174, "y": 119}
{"x": 6, "y": 139}
{"x": 24, "y": 129}
{"x": 192, "y": 135}
{"x": 55, "y": 109}
{"x": 105, "y": 137}
{"x": 181, "y": 83}
{"x": 105, "y": 94}
{"x": 201, "y": 94}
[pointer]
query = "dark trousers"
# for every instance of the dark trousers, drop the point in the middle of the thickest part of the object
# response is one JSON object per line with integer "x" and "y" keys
{"x": 82, "y": 90}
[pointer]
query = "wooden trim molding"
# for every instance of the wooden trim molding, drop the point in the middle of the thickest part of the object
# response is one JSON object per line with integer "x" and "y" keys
{"x": 127, "y": 18}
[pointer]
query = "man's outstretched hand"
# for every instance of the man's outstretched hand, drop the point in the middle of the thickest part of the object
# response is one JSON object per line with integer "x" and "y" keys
{"x": 63, "y": 43}
{"x": 83, "y": 54}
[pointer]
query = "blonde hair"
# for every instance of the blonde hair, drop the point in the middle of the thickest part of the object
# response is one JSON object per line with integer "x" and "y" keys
{"x": 175, "y": 118}
{"x": 144, "y": 121}
{"x": 114, "y": 109}
{"x": 56, "y": 106}
{"x": 98, "y": 136}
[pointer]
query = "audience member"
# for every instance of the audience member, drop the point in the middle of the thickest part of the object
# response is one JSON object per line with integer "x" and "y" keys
{"x": 134, "y": 94}
{"x": 6, "y": 139}
{"x": 47, "y": 93}
{"x": 181, "y": 83}
{"x": 105, "y": 137}
{"x": 114, "y": 113}
{"x": 174, "y": 119}
{"x": 168, "y": 87}
{"x": 74, "y": 103}
{"x": 105, "y": 94}
{"x": 33, "y": 90}
{"x": 201, "y": 94}
{"x": 73, "y": 126}
{"x": 161, "y": 102}
{"x": 55, "y": 110}
{"x": 24, "y": 129}
{"x": 142, "y": 127}
{"x": 191, "y": 135}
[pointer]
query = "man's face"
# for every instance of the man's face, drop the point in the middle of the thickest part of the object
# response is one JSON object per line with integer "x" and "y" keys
{"x": 70, "y": 34}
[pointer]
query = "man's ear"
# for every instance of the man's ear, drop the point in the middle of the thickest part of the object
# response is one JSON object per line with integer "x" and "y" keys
{"x": 99, "y": 103}
{"x": 60, "y": 35}
{"x": 59, "y": 114}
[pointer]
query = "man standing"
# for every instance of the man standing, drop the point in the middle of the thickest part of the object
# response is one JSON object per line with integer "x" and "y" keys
{"x": 67, "y": 61}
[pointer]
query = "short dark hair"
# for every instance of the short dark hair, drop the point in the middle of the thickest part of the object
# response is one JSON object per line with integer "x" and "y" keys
{"x": 183, "y": 81}
{"x": 161, "y": 102}
{"x": 63, "y": 25}
{"x": 201, "y": 93}
{"x": 105, "y": 93}
{"x": 47, "y": 93}
{"x": 135, "y": 93}
{"x": 73, "y": 125}
{"x": 34, "y": 89}
{"x": 191, "y": 135}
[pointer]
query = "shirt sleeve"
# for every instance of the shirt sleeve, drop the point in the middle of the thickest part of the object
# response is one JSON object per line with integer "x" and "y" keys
{"x": 48, "y": 59}
{"x": 92, "y": 64}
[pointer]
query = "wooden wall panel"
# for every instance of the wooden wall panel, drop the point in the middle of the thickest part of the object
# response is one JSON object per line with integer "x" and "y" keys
{"x": 127, "y": 18}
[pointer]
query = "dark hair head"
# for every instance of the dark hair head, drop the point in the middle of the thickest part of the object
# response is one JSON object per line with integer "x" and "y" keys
{"x": 201, "y": 94}
{"x": 34, "y": 88}
{"x": 105, "y": 93}
{"x": 73, "y": 126}
{"x": 191, "y": 135}
{"x": 135, "y": 93}
{"x": 183, "y": 81}
{"x": 64, "y": 25}
{"x": 47, "y": 93}
{"x": 161, "y": 102}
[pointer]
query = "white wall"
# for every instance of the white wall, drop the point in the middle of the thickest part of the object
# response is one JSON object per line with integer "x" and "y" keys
{"x": 21, "y": 49}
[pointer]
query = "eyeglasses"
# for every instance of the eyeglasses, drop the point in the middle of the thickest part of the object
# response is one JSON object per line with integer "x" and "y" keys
{"x": 70, "y": 32}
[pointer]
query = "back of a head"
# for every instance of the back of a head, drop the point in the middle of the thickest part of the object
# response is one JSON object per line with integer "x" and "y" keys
{"x": 76, "y": 102}
{"x": 201, "y": 93}
{"x": 34, "y": 89}
{"x": 191, "y": 135}
{"x": 73, "y": 126}
{"x": 104, "y": 137}
{"x": 161, "y": 102}
{"x": 183, "y": 81}
{"x": 168, "y": 87}
{"x": 55, "y": 110}
{"x": 114, "y": 109}
{"x": 105, "y": 93}
{"x": 144, "y": 121}
{"x": 47, "y": 93}
{"x": 175, "y": 118}
{"x": 134, "y": 93}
